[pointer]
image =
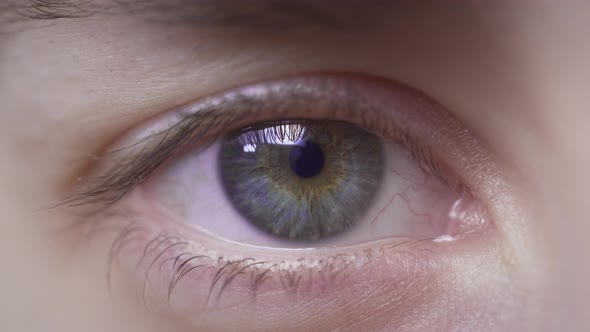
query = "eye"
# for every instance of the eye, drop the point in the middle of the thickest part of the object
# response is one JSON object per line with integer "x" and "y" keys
{"x": 310, "y": 183}
{"x": 289, "y": 190}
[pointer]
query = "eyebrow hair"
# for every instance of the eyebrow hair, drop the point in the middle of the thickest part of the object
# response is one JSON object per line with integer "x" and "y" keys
{"x": 265, "y": 14}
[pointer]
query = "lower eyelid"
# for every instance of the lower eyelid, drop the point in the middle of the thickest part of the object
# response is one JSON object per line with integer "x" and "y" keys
{"x": 391, "y": 273}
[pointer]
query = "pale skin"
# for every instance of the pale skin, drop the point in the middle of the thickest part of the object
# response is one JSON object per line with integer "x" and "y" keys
{"x": 514, "y": 73}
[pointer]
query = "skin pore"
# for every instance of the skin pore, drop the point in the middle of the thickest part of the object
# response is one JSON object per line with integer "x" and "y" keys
{"x": 76, "y": 78}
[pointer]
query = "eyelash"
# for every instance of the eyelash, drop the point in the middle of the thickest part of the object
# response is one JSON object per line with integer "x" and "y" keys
{"x": 195, "y": 129}
{"x": 116, "y": 183}
{"x": 226, "y": 271}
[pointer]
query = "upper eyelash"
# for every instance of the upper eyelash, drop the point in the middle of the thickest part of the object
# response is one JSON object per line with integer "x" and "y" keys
{"x": 136, "y": 169}
{"x": 193, "y": 127}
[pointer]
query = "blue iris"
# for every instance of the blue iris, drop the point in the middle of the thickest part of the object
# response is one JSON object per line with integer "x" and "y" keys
{"x": 302, "y": 180}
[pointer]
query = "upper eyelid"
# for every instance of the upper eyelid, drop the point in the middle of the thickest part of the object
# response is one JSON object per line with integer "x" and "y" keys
{"x": 134, "y": 168}
{"x": 132, "y": 164}
{"x": 112, "y": 184}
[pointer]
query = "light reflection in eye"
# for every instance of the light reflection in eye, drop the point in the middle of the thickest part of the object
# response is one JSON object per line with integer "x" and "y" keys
{"x": 287, "y": 138}
{"x": 250, "y": 148}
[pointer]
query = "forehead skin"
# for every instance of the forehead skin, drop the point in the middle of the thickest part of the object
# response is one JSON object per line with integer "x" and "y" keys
{"x": 76, "y": 76}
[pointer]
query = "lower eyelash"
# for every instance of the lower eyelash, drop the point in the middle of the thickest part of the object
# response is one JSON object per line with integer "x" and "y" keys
{"x": 179, "y": 255}
{"x": 166, "y": 260}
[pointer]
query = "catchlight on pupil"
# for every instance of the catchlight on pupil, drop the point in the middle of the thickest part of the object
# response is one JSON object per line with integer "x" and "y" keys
{"x": 302, "y": 180}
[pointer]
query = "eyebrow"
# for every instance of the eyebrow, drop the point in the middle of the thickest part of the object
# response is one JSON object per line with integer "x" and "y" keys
{"x": 258, "y": 14}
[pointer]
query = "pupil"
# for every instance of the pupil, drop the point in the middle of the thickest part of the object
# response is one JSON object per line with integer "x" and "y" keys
{"x": 306, "y": 160}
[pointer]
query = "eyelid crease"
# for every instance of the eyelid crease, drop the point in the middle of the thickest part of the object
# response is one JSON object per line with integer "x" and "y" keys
{"x": 209, "y": 119}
